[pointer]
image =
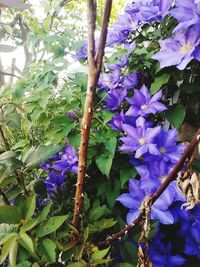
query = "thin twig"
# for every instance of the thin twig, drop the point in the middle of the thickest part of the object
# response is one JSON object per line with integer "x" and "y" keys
{"x": 172, "y": 175}
{"x": 94, "y": 64}
{"x": 4, "y": 197}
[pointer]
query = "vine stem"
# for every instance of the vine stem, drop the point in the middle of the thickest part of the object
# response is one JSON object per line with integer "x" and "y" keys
{"x": 172, "y": 175}
{"x": 94, "y": 68}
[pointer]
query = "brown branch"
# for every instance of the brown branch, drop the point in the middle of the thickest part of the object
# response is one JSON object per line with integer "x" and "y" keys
{"x": 10, "y": 74}
{"x": 94, "y": 65}
{"x": 5, "y": 142}
{"x": 172, "y": 175}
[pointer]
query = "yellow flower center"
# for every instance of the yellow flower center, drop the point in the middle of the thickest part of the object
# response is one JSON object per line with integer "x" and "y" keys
{"x": 162, "y": 150}
{"x": 141, "y": 141}
{"x": 144, "y": 106}
{"x": 185, "y": 49}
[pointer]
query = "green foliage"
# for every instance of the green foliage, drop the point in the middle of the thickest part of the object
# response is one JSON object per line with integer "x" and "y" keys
{"x": 176, "y": 115}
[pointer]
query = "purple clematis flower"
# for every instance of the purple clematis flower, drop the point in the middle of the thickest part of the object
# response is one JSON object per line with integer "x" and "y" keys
{"x": 191, "y": 230}
{"x": 161, "y": 254}
{"x": 115, "y": 37}
{"x": 154, "y": 10}
{"x": 125, "y": 22}
{"x": 140, "y": 139}
{"x": 119, "y": 119}
{"x": 180, "y": 50}
{"x": 149, "y": 10}
{"x": 187, "y": 12}
{"x": 109, "y": 81}
{"x": 142, "y": 104}
{"x": 170, "y": 151}
{"x": 133, "y": 200}
{"x": 130, "y": 81}
{"x": 68, "y": 161}
{"x": 115, "y": 98}
{"x": 54, "y": 181}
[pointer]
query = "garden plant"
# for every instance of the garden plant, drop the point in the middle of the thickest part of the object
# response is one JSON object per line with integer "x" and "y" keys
{"x": 100, "y": 133}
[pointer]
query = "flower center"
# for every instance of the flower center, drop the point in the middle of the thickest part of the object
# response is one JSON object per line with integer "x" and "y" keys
{"x": 185, "y": 49}
{"x": 145, "y": 106}
{"x": 162, "y": 150}
{"x": 141, "y": 141}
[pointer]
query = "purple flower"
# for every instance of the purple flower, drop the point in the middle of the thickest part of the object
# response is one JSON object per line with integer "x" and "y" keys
{"x": 125, "y": 22}
{"x": 130, "y": 80}
{"x": 166, "y": 143}
{"x": 187, "y": 12}
{"x": 119, "y": 119}
{"x": 161, "y": 254}
{"x": 133, "y": 200}
{"x": 81, "y": 54}
{"x": 115, "y": 37}
{"x": 68, "y": 161}
{"x": 154, "y": 10}
{"x": 149, "y": 10}
{"x": 180, "y": 50}
{"x": 140, "y": 139}
{"x": 143, "y": 104}
{"x": 111, "y": 80}
{"x": 54, "y": 181}
{"x": 115, "y": 98}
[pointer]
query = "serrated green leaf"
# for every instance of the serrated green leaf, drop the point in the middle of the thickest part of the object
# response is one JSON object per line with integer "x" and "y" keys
{"x": 10, "y": 214}
{"x": 176, "y": 115}
{"x": 48, "y": 249}
{"x": 159, "y": 81}
{"x": 50, "y": 226}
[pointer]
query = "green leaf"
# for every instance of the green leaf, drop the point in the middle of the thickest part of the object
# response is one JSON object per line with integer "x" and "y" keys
{"x": 44, "y": 212}
{"x": 153, "y": 230}
{"x": 7, "y": 155}
{"x": 48, "y": 249}
{"x": 6, "y": 229}
{"x": 6, "y": 248}
{"x": 20, "y": 144}
{"x": 128, "y": 252}
{"x": 50, "y": 226}
{"x": 159, "y": 81}
{"x": 13, "y": 120}
{"x": 100, "y": 254}
{"x": 104, "y": 161}
{"x": 37, "y": 155}
{"x": 28, "y": 207}
{"x": 26, "y": 242}
{"x": 10, "y": 214}
{"x": 126, "y": 172}
{"x": 189, "y": 88}
{"x": 13, "y": 254}
{"x": 24, "y": 264}
{"x": 77, "y": 264}
{"x": 99, "y": 226}
{"x": 176, "y": 115}
{"x": 29, "y": 225}
{"x": 7, "y": 237}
